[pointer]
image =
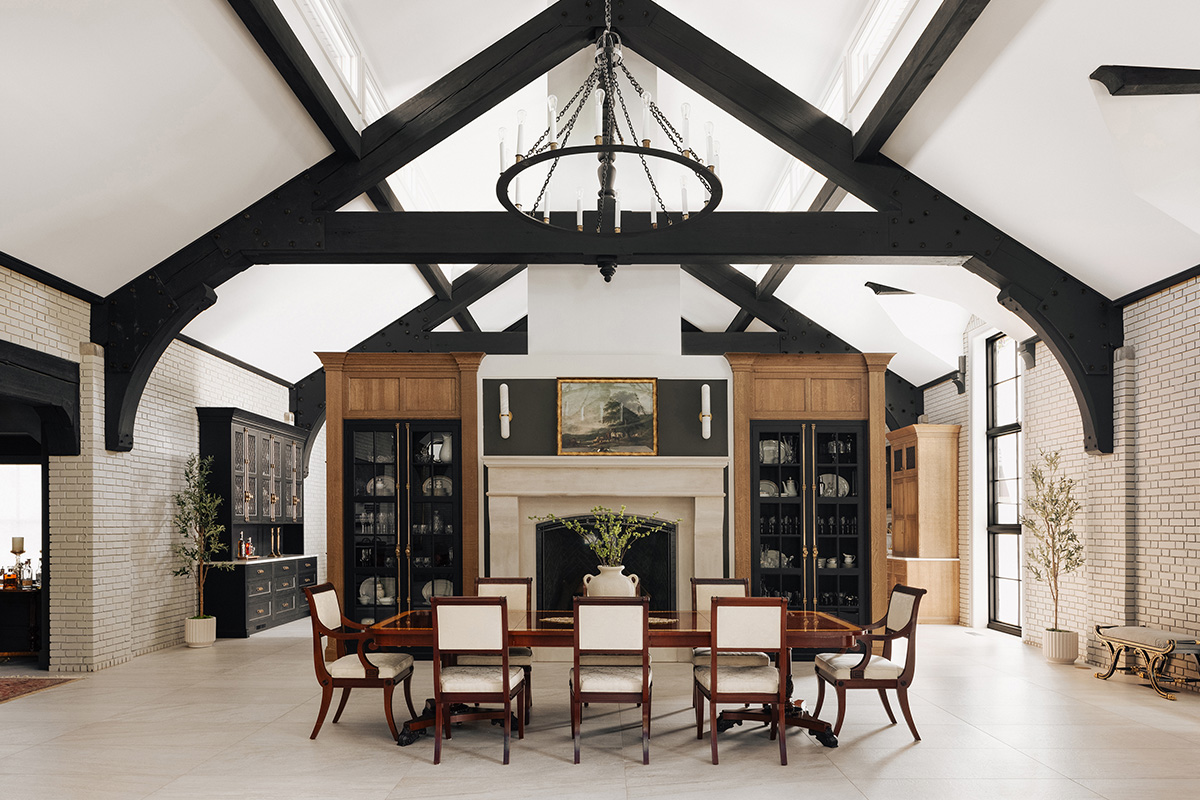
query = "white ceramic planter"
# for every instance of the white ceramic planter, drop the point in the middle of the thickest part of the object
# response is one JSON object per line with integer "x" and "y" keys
{"x": 1060, "y": 647}
{"x": 611, "y": 583}
{"x": 200, "y": 632}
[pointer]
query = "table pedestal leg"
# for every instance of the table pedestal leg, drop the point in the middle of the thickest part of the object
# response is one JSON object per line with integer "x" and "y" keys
{"x": 415, "y": 728}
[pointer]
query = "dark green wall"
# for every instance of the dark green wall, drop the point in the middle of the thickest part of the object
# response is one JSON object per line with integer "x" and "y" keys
{"x": 534, "y": 429}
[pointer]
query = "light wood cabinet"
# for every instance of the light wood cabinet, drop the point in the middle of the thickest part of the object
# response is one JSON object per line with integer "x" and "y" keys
{"x": 924, "y": 473}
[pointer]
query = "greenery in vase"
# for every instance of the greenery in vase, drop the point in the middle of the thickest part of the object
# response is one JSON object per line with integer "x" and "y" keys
{"x": 196, "y": 522}
{"x": 610, "y": 534}
{"x": 1057, "y": 550}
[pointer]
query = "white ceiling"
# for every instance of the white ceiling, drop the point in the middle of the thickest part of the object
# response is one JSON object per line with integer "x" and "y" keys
{"x": 136, "y": 126}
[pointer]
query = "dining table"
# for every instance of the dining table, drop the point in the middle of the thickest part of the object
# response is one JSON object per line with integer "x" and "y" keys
{"x": 805, "y": 629}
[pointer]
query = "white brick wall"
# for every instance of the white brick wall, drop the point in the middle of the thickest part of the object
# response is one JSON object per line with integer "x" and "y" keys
{"x": 35, "y": 316}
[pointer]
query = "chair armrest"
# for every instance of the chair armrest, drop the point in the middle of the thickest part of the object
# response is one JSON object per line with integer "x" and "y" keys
{"x": 865, "y": 639}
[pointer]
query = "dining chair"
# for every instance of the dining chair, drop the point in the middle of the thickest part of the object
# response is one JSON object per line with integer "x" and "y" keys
{"x": 739, "y": 624}
{"x": 352, "y": 670}
{"x": 618, "y": 626}
{"x": 863, "y": 670}
{"x": 465, "y": 626}
{"x": 703, "y": 591}
{"x": 519, "y": 594}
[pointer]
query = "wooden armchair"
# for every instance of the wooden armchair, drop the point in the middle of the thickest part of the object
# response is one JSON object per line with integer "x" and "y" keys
{"x": 352, "y": 670}
{"x": 866, "y": 671}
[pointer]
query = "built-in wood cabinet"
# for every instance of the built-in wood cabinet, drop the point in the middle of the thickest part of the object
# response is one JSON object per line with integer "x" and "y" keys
{"x": 411, "y": 408}
{"x": 923, "y": 469}
{"x": 812, "y": 401}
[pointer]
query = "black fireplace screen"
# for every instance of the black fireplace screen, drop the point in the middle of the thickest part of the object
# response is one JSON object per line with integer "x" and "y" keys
{"x": 563, "y": 559}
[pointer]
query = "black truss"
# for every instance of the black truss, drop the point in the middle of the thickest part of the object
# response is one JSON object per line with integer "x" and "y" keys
{"x": 298, "y": 222}
{"x": 50, "y": 386}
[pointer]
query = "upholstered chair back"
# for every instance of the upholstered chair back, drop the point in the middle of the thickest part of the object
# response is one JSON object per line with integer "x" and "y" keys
{"x": 469, "y": 626}
{"x": 900, "y": 610}
{"x": 516, "y": 593}
{"x": 328, "y": 610}
{"x": 705, "y": 589}
{"x": 606, "y": 626}
{"x": 748, "y": 627}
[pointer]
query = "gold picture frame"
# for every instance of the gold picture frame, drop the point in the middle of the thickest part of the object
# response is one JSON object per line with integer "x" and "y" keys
{"x": 608, "y": 416}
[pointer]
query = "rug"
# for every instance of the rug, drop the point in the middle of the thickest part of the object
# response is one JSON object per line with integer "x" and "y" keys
{"x": 12, "y": 688}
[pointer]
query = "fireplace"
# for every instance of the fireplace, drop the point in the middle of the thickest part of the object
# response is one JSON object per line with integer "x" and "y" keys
{"x": 563, "y": 559}
{"x": 690, "y": 489}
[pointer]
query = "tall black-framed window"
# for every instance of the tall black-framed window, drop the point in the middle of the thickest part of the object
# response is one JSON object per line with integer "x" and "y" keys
{"x": 1005, "y": 458}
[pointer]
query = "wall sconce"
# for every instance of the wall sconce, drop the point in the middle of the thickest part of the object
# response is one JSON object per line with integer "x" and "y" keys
{"x": 505, "y": 414}
{"x": 705, "y": 412}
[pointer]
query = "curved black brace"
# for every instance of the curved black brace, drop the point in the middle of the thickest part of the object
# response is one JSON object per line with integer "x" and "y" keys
{"x": 48, "y": 385}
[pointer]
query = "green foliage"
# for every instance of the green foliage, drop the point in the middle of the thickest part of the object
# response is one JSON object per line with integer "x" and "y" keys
{"x": 1056, "y": 549}
{"x": 611, "y": 533}
{"x": 196, "y": 523}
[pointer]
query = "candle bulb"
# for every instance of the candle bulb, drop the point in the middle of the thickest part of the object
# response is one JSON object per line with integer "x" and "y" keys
{"x": 645, "y": 119}
{"x": 599, "y": 116}
{"x": 503, "y": 151}
{"x": 579, "y": 209}
{"x": 653, "y": 210}
{"x": 686, "y": 110}
{"x": 521, "y": 134}
{"x": 716, "y": 157}
{"x": 708, "y": 143}
{"x": 546, "y": 205}
{"x": 683, "y": 194}
{"x": 616, "y": 213}
{"x": 18, "y": 544}
{"x": 552, "y": 110}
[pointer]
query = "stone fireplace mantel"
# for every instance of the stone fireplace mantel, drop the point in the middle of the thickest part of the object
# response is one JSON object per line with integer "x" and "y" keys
{"x": 685, "y": 488}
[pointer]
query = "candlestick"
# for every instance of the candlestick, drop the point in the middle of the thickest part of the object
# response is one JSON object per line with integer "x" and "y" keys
{"x": 645, "y": 119}
{"x": 521, "y": 132}
{"x": 599, "y": 116}
{"x": 616, "y": 213}
{"x": 503, "y": 151}
{"x": 686, "y": 110}
{"x": 18, "y": 544}
{"x": 708, "y": 143}
{"x": 579, "y": 209}
{"x": 683, "y": 194}
{"x": 552, "y": 110}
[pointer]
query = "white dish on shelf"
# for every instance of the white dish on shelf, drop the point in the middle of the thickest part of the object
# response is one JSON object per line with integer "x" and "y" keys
{"x": 767, "y": 489}
{"x": 774, "y": 451}
{"x": 773, "y": 559}
{"x": 439, "y": 587}
{"x": 833, "y": 485}
{"x": 437, "y": 486}
{"x": 382, "y": 485}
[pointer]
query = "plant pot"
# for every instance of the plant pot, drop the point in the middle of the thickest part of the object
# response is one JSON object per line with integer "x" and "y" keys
{"x": 200, "y": 632}
{"x": 611, "y": 582}
{"x": 1060, "y": 647}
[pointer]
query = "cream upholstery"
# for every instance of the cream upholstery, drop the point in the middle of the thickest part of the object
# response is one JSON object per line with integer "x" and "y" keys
{"x": 469, "y": 627}
{"x": 702, "y": 657}
{"x": 610, "y": 660}
{"x": 838, "y": 667}
{"x": 517, "y": 656}
{"x": 610, "y": 679}
{"x": 900, "y": 610}
{"x": 390, "y": 665}
{"x": 328, "y": 611}
{"x": 749, "y": 626}
{"x": 479, "y": 679}
{"x": 605, "y": 627}
{"x": 705, "y": 592}
{"x": 514, "y": 592}
{"x": 754, "y": 680}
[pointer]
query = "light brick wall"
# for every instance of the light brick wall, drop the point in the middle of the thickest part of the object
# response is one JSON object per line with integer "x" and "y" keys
{"x": 35, "y": 316}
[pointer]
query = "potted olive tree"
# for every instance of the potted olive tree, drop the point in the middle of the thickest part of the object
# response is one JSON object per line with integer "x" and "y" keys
{"x": 1056, "y": 550}
{"x": 200, "y": 539}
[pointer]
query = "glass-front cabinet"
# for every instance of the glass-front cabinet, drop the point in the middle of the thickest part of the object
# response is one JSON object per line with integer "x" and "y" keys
{"x": 809, "y": 516}
{"x": 403, "y": 526}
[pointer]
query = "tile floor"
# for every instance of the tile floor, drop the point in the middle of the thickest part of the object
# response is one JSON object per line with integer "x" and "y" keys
{"x": 233, "y": 722}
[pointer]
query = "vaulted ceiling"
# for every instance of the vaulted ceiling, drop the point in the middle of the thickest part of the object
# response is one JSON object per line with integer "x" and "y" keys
{"x": 140, "y": 127}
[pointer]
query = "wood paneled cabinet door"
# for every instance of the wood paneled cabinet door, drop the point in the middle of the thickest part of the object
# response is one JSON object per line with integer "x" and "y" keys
{"x": 924, "y": 475}
{"x": 809, "y": 516}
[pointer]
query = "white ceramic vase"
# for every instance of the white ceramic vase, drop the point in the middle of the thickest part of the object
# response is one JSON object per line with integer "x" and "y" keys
{"x": 200, "y": 632}
{"x": 1060, "y": 647}
{"x": 611, "y": 582}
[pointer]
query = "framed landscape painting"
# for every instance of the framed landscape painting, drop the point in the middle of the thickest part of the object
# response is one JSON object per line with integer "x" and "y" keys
{"x": 607, "y": 416}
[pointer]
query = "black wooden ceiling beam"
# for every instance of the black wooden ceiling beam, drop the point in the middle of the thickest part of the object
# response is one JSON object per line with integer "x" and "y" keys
{"x": 48, "y": 385}
{"x": 267, "y": 25}
{"x": 1122, "y": 80}
{"x": 828, "y": 198}
{"x": 945, "y": 30}
{"x": 765, "y": 288}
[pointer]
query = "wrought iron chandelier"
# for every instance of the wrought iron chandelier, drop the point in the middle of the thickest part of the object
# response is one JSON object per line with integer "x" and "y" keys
{"x": 614, "y": 135}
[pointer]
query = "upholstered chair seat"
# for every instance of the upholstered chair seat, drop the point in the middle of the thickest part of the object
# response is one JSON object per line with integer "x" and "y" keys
{"x": 764, "y": 680}
{"x": 390, "y": 665}
{"x": 838, "y": 667}
{"x": 609, "y": 678}
{"x": 479, "y": 679}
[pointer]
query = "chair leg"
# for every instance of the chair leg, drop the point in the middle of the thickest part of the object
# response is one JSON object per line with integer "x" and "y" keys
{"x": 576, "y": 724}
{"x": 820, "y": 696}
{"x": 326, "y": 697}
{"x": 841, "y": 697}
{"x": 528, "y": 692}
{"x": 886, "y": 706}
{"x": 699, "y": 707}
{"x": 388, "y": 689}
{"x": 712, "y": 727}
{"x": 437, "y": 733}
{"x": 521, "y": 701}
{"x": 341, "y": 704}
{"x": 646, "y": 732}
{"x": 507, "y": 725}
{"x": 782, "y": 734}
{"x": 902, "y": 693}
{"x": 412, "y": 712}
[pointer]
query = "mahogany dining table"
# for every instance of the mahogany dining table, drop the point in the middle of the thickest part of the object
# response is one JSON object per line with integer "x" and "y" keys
{"x": 806, "y": 629}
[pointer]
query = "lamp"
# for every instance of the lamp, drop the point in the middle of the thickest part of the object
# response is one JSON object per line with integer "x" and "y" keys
{"x": 613, "y": 135}
{"x": 705, "y": 412}
{"x": 505, "y": 414}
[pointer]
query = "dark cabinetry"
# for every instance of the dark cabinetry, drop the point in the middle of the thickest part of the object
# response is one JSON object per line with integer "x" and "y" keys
{"x": 403, "y": 524}
{"x": 259, "y": 594}
{"x": 810, "y": 520}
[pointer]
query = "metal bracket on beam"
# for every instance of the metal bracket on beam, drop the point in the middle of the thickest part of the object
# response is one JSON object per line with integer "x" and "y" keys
{"x": 283, "y": 220}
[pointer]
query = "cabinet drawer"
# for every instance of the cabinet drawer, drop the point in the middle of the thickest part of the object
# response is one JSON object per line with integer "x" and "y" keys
{"x": 258, "y": 586}
{"x": 307, "y": 579}
{"x": 285, "y": 603}
{"x": 283, "y": 568}
{"x": 258, "y": 610}
{"x": 308, "y": 564}
{"x": 287, "y": 582}
{"x": 255, "y": 571}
